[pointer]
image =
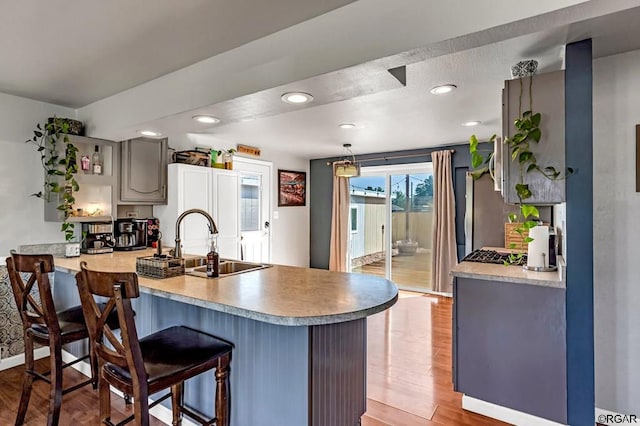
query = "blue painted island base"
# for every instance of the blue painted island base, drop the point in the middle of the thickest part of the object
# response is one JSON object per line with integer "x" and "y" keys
{"x": 280, "y": 375}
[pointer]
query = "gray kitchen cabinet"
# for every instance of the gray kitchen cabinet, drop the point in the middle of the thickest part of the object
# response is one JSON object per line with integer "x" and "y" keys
{"x": 143, "y": 171}
{"x": 509, "y": 345}
{"x": 548, "y": 99}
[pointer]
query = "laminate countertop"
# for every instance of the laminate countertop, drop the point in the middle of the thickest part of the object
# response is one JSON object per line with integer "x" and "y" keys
{"x": 283, "y": 295}
{"x": 513, "y": 274}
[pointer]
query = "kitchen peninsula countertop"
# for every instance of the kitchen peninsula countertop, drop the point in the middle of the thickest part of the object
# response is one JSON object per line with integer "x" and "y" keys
{"x": 282, "y": 295}
{"x": 512, "y": 274}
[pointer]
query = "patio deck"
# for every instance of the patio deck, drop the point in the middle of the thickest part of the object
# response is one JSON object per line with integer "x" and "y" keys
{"x": 409, "y": 272}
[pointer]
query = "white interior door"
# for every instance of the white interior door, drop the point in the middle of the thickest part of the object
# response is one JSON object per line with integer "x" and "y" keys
{"x": 255, "y": 209}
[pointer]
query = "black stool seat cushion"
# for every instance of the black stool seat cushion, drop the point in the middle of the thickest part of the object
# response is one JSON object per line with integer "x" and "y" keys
{"x": 173, "y": 350}
{"x": 72, "y": 321}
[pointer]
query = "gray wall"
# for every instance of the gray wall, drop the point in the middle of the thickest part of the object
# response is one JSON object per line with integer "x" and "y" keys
{"x": 321, "y": 192}
{"x": 616, "y": 233}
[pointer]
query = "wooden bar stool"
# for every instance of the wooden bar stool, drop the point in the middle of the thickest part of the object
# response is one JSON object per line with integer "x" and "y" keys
{"x": 162, "y": 360}
{"x": 43, "y": 325}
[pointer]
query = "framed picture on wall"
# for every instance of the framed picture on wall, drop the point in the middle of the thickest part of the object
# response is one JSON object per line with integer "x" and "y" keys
{"x": 292, "y": 188}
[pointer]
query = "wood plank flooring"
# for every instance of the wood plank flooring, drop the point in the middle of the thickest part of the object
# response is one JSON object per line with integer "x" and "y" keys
{"x": 409, "y": 366}
{"x": 78, "y": 408}
{"x": 408, "y": 383}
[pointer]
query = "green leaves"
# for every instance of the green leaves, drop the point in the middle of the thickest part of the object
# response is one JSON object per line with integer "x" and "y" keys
{"x": 51, "y": 139}
{"x": 477, "y": 159}
{"x": 535, "y": 134}
{"x": 477, "y": 174}
{"x": 523, "y": 191}
{"x": 528, "y": 210}
{"x": 525, "y": 156}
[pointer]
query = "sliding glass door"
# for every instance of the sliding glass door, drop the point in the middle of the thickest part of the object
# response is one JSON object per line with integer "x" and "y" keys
{"x": 391, "y": 224}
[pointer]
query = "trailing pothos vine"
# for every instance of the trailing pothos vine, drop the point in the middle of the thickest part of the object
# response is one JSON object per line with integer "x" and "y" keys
{"x": 51, "y": 139}
{"x": 528, "y": 132}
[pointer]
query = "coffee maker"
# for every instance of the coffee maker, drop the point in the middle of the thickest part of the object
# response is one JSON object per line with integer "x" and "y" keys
{"x": 97, "y": 237}
{"x": 131, "y": 234}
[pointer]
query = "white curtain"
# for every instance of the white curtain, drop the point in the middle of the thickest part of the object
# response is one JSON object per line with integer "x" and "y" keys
{"x": 339, "y": 225}
{"x": 444, "y": 255}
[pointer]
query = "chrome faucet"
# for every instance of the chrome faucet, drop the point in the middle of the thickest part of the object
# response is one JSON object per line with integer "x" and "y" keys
{"x": 213, "y": 229}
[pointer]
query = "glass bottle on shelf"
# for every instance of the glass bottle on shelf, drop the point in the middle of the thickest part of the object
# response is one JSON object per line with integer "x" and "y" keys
{"x": 96, "y": 160}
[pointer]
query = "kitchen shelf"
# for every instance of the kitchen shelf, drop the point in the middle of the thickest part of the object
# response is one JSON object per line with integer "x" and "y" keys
{"x": 97, "y": 190}
{"x": 80, "y": 219}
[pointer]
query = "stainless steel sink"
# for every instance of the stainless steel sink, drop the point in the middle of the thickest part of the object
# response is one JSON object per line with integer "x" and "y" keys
{"x": 194, "y": 262}
{"x": 197, "y": 267}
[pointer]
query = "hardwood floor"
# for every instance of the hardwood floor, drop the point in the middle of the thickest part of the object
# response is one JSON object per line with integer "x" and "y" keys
{"x": 408, "y": 375}
{"x": 409, "y": 366}
{"x": 78, "y": 408}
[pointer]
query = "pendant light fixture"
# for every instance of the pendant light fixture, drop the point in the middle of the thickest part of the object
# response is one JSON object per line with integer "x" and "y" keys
{"x": 348, "y": 167}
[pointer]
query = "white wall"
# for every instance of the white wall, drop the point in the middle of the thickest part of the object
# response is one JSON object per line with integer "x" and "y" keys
{"x": 616, "y": 233}
{"x": 21, "y": 174}
{"x": 290, "y": 229}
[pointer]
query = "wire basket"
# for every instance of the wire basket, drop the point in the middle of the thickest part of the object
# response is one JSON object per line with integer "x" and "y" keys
{"x": 197, "y": 158}
{"x": 156, "y": 267}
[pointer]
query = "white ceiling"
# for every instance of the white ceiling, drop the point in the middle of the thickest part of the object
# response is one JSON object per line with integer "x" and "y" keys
{"x": 403, "y": 118}
{"x": 390, "y": 117}
{"x": 74, "y": 52}
{"x": 411, "y": 117}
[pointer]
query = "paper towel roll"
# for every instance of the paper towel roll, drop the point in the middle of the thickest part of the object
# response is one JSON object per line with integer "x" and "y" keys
{"x": 538, "y": 255}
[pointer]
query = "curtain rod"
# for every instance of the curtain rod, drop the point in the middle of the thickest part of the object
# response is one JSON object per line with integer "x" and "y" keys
{"x": 392, "y": 157}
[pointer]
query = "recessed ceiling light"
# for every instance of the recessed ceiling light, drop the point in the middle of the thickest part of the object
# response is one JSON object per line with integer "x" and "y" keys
{"x": 471, "y": 123}
{"x": 442, "y": 89}
{"x": 149, "y": 133}
{"x": 296, "y": 98}
{"x": 347, "y": 125}
{"x": 207, "y": 119}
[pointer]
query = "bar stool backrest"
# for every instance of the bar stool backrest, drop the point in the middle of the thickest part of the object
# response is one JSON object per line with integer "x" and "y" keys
{"x": 36, "y": 267}
{"x": 118, "y": 288}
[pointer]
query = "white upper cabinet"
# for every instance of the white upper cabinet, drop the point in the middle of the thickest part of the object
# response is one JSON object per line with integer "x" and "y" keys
{"x": 212, "y": 190}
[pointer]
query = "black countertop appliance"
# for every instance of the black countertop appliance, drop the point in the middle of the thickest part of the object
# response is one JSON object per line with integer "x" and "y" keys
{"x": 131, "y": 234}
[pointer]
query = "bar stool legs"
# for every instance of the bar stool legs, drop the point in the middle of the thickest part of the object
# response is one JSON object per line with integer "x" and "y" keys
{"x": 27, "y": 381}
{"x": 223, "y": 401}
{"x": 177, "y": 401}
{"x": 55, "y": 390}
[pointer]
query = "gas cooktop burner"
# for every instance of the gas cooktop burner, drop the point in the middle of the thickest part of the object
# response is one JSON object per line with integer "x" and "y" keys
{"x": 491, "y": 256}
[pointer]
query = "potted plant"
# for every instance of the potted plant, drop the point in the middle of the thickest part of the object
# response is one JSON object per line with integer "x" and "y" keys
{"x": 59, "y": 161}
{"x": 527, "y": 134}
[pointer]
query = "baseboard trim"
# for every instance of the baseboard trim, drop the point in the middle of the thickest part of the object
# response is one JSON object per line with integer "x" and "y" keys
{"x": 160, "y": 412}
{"x": 505, "y": 414}
{"x": 16, "y": 360}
